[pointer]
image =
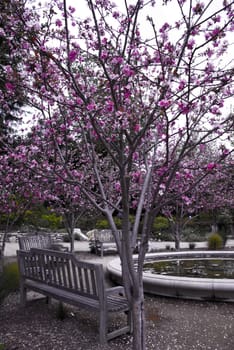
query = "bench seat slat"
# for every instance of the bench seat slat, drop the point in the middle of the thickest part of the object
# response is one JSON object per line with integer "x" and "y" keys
{"x": 63, "y": 294}
{"x": 114, "y": 303}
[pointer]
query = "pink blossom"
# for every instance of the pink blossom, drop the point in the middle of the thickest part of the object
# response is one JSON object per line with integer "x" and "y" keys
{"x": 202, "y": 147}
{"x": 188, "y": 175}
{"x": 225, "y": 151}
{"x": 211, "y": 166}
{"x": 110, "y": 106}
{"x": 216, "y": 19}
{"x": 9, "y": 86}
{"x": 215, "y": 32}
{"x": 104, "y": 41}
{"x": 79, "y": 101}
{"x": 127, "y": 93}
{"x": 71, "y": 9}
{"x": 136, "y": 176}
{"x": 209, "y": 68}
{"x": 137, "y": 128}
{"x": 164, "y": 103}
{"x": 184, "y": 107}
{"x": 117, "y": 60}
{"x": 127, "y": 70}
{"x": 104, "y": 55}
{"x": 117, "y": 186}
{"x": 58, "y": 23}
{"x": 135, "y": 156}
{"x": 191, "y": 44}
{"x": 209, "y": 52}
{"x": 186, "y": 199}
{"x": 91, "y": 106}
{"x": 182, "y": 84}
{"x": 164, "y": 27}
{"x": 198, "y": 8}
{"x": 72, "y": 55}
{"x": 115, "y": 14}
{"x": 77, "y": 174}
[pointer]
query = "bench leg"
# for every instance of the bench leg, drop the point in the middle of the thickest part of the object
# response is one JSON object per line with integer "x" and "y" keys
{"x": 48, "y": 300}
{"x": 102, "y": 250}
{"x": 23, "y": 295}
{"x": 103, "y": 327}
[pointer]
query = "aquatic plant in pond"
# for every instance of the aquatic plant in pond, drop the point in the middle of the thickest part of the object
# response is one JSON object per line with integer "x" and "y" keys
{"x": 206, "y": 268}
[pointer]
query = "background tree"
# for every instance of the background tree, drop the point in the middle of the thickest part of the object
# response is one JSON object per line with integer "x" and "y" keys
{"x": 66, "y": 200}
{"x": 150, "y": 102}
{"x": 17, "y": 193}
{"x": 12, "y": 96}
{"x": 212, "y": 192}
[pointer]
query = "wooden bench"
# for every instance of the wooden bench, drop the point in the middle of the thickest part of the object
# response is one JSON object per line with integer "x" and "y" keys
{"x": 62, "y": 276}
{"x": 1, "y": 242}
{"x": 39, "y": 241}
{"x": 103, "y": 242}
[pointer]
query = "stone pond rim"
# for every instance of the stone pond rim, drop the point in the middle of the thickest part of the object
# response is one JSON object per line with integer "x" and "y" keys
{"x": 219, "y": 289}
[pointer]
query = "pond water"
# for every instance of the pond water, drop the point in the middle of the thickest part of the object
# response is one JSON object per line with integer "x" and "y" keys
{"x": 202, "y": 268}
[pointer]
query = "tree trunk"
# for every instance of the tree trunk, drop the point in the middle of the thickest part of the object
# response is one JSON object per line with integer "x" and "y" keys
{"x": 133, "y": 283}
{"x": 69, "y": 222}
{"x": 138, "y": 314}
{"x": 72, "y": 240}
{"x": 177, "y": 241}
{"x": 177, "y": 236}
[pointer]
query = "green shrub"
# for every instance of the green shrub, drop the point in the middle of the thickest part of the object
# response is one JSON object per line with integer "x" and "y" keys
{"x": 2, "y": 346}
{"x": 161, "y": 228}
{"x": 102, "y": 224}
{"x": 160, "y": 224}
{"x": 118, "y": 222}
{"x": 9, "y": 280}
{"x": 51, "y": 221}
{"x": 215, "y": 241}
{"x": 40, "y": 216}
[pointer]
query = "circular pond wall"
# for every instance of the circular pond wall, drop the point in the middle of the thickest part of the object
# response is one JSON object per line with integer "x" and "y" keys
{"x": 182, "y": 287}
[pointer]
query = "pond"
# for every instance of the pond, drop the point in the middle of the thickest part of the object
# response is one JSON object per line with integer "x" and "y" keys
{"x": 203, "y": 268}
{"x": 206, "y": 275}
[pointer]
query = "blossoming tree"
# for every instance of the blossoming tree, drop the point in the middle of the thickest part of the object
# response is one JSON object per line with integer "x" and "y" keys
{"x": 134, "y": 97}
{"x": 212, "y": 192}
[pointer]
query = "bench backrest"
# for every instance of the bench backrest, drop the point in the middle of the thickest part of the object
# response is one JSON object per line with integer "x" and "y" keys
{"x": 35, "y": 241}
{"x": 62, "y": 270}
{"x": 105, "y": 235}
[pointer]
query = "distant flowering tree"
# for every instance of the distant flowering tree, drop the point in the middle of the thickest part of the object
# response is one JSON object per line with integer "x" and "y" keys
{"x": 132, "y": 107}
{"x": 66, "y": 200}
{"x": 216, "y": 193}
{"x": 213, "y": 191}
{"x": 17, "y": 193}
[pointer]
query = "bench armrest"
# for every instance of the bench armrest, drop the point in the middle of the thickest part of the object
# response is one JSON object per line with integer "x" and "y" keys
{"x": 26, "y": 252}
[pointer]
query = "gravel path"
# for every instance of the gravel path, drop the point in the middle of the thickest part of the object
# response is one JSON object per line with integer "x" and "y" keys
{"x": 172, "y": 324}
